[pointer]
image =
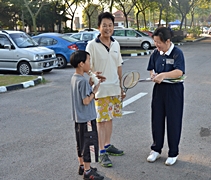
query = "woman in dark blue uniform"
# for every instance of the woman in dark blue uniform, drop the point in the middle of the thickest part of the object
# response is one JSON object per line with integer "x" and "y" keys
{"x": 167, "y": 61}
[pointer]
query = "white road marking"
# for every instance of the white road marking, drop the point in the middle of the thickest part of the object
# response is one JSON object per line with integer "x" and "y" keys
{"x": 127, "y": 112}
{"x": 134, "y": 98}
{"x": 131, "y": 100}
{"x": 124, "y": 60}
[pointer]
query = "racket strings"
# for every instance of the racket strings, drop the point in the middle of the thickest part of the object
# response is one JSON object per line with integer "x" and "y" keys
{"x": 131, "y": 79}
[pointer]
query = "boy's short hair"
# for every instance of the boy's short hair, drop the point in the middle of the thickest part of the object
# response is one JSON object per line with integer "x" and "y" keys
{"x": 77, "y": 57}
{"x": 104, "y": 15}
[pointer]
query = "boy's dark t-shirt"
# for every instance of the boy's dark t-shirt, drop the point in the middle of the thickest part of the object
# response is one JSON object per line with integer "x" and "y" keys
{"x": 79, "y": 90}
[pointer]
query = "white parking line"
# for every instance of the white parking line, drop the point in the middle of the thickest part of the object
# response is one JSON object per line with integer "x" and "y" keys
{"x": 124, "y": 60}
{"x": 134, "y": 98}
{"x": 131, "y": 100}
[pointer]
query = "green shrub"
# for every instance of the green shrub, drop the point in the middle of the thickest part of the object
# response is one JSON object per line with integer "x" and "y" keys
{"x": 195, "y": 31}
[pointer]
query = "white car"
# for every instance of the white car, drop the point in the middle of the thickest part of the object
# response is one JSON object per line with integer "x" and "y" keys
{"x": 209, "y": 31}
{"x": 205, "y": 30}
{"x": 85, "y": 35}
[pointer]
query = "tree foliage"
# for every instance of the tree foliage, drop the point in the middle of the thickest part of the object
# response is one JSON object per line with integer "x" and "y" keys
{"x": 90, "y": 14}
{"x": 49, "y": 15}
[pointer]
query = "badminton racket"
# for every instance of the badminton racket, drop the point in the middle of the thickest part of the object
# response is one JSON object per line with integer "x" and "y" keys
{"x": 130, "y": 79}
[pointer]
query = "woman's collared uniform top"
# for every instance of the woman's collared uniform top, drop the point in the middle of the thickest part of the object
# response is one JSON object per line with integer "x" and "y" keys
{"x": 165, "y": 62}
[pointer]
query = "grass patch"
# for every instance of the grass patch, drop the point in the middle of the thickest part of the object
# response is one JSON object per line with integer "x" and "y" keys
{"x": 130, "y": 51}
{"x": 13, "y": 79}
{"x": 189, "y": 38}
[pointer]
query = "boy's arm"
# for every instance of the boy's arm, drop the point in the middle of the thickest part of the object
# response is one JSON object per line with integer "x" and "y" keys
{"x": 89, "y": 98}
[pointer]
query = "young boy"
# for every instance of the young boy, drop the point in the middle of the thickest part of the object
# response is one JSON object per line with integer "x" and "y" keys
{"x": 84, "y": 114}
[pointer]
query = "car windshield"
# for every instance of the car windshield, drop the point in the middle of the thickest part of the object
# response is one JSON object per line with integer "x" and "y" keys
{"x": 142, "y": 33}
{"x": 68, "y": 38}
{"x": 23, "y": 40}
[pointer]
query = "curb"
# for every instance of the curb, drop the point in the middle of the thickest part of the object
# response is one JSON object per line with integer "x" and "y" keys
{"x": 138, "y": 54}
{"x": 21, "y": 85}
{"x": 146, "y": 52}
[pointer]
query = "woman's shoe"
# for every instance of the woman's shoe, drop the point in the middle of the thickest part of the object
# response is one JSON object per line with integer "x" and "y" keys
{"x": 153, "y": 156}
{"x": 170, "y": 161}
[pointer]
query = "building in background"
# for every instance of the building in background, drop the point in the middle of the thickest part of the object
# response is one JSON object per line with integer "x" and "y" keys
{"x": 120, "y": 21}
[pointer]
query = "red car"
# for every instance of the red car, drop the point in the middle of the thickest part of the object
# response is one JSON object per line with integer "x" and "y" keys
{"x": 150, "y": 33}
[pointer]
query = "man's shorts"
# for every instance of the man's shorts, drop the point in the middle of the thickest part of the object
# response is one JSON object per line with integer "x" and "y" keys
{"x": 107, "y": 108}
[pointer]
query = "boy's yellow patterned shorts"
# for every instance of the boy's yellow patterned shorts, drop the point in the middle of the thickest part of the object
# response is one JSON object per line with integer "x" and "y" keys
{"x": 108, "y": 107}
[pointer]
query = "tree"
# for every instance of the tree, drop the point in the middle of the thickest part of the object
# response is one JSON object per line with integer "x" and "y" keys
{"x": 140, "y": 7}
{"x": 90, "y": 14}
{"x": 126, "y": 7}
{"x": 184, "y": 7}
{"x": 10, "y": 12}
{"x": 34, "y": 6}
{"x": 162, "y": 5}
{"x": 71, "y": 7}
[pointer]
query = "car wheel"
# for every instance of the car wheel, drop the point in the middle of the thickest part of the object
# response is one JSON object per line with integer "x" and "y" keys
{"x": 47, "y": 70}
{"x": 62, "y": 63}
{"x": 145, "y": 45}
{"x": 24, "y": 68}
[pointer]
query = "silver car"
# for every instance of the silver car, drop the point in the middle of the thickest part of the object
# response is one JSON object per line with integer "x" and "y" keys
{"x": 19, "y": 52}
{"x": 128, "y": 37}
{"x": 85, "y": 35}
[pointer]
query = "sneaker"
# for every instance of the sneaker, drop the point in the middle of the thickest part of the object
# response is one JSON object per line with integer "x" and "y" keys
{"x": 104, "y": 160}
{"x": 153, "y": 156}
{"x": 92, "y": 175}
{"x": 81, "y": 170}
{"x": 170, "y": 161}
{"x": 111, "y": 150}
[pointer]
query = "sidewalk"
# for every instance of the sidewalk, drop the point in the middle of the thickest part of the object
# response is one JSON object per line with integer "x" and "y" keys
{"x": 21, "y": 85}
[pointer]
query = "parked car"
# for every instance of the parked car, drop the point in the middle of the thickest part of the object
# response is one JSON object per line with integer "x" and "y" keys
{"x": 150, "y": 33}
{"x": 209, "y": 31}
{"x": 128, "y": 37}
{"x": 62, "y": 44}
{"x": 19, "y": 52}
{"x": 85, "y": 35}
{"x": 87, "y": 29}
{"x": 205, "y": 30}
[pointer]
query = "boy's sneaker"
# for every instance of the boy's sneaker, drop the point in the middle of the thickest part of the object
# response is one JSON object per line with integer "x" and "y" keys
{"x": 111, "y": 150}
{"x": 93, "y": 175}
{"x": 81, "y": 170}
{"x": 104, "y": 160}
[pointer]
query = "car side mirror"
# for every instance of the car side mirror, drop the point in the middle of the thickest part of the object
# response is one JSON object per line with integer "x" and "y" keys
{"x": 7, "y": 46}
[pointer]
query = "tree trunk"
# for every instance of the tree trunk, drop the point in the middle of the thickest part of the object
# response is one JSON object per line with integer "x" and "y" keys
{"x": 145, "y": 22}
{"x": 137, "y": 20}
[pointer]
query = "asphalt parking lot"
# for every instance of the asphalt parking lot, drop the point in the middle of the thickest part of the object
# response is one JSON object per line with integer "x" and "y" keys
{"x": 37, "y": 138}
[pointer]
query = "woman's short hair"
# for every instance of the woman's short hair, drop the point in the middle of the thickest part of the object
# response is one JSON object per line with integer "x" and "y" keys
{"x": 164, "y": 33}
